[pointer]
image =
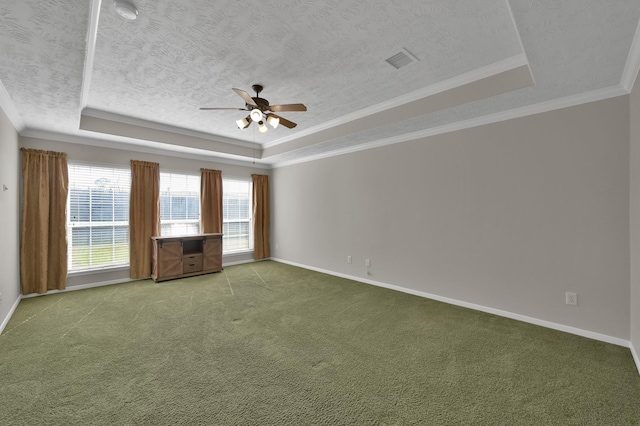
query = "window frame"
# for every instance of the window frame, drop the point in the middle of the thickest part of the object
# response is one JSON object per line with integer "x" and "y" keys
{"x": 187, "y": 222}
{"x": 248, "y": 220}
{"x": 71, "y": 224}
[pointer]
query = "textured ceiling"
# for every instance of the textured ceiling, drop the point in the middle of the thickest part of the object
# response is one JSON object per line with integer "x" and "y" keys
{"x": 74, "y": 68}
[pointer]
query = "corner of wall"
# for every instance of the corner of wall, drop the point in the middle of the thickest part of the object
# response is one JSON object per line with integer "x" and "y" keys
{"x": 634, "y": 217}
{"x": 9, "y": 217}
{"x": 636, "y": 357}
{"x": 6, "y": 319}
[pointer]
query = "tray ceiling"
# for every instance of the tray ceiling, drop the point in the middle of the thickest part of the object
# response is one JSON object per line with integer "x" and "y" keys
{"x": 75, "y": 70}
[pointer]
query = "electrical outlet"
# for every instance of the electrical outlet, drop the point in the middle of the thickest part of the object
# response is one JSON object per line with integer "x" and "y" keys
{"x": 367, "y": 263}
{"x": 571, "y": 299}
{"x": 348, "y": 259}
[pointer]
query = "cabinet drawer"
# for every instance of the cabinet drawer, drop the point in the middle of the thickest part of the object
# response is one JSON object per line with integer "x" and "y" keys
{"x": 192, "y": 262}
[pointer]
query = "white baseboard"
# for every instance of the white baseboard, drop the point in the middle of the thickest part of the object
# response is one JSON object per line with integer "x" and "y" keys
{"x": 82, "y": 287}
{"x": 111, "y": 282}
{"x": 239, "y": 262}
{"x": 636, "y": 358}
{"x": 5, "y": 321}
{"x": 536, "y": 321}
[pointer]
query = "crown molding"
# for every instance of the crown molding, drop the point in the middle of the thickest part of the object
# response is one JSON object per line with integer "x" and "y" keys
{"x": 111, "y": 116}
{"x": 515, "y": 26}
{"x": 148, "y": 147}
{"x": 632, "y": 65}
{"x": 10, "y": 109}
{"x": 158, "y": 148}
{"x": 460, "y": 80}
{"x": 569, "y": 101}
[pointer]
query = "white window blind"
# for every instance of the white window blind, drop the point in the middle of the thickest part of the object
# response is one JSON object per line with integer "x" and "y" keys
{"x": 179, "y": 204}
{"x": 236, "y": 224}
{"x": 98, "y": 217}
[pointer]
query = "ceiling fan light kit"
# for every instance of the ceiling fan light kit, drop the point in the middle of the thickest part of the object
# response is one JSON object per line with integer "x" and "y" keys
{"x": 256, "y": 114}
{"x": 273, "y": 121}
{"x": 260, "y": 109}
{"x": 244, "y": 122}
{"x": 126, "y": 9}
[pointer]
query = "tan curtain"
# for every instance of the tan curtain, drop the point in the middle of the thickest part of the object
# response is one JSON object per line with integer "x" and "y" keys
{"x": 144, "y": 215}
{"x": 43, "y": 250}
{"x": 260, "y": 201}
{"x": 210, "y": 201}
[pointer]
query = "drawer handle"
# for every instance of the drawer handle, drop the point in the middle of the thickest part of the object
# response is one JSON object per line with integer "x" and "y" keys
{"x": 192, "y": 264}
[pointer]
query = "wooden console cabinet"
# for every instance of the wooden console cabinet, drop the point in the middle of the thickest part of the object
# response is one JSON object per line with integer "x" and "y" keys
{"x": 179, "y": 257}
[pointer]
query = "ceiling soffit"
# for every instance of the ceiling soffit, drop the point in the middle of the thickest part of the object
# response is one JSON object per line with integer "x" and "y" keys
{"x": 330, "y": 56}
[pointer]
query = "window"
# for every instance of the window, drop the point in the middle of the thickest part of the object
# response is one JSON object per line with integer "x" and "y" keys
{"x": 236, "y": 214}
{"x": 179, "y": 204}
{"x": 98, "y": 217}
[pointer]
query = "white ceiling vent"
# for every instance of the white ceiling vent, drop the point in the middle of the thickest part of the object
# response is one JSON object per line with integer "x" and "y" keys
{"x": 402, "y": 58}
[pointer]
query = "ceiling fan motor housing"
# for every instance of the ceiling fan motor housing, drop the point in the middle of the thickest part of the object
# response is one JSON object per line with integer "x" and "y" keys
{"x": 263, "y": 104}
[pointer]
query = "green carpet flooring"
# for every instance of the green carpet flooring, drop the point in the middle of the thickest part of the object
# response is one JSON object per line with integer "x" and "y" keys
{"x": 271, "y": 344}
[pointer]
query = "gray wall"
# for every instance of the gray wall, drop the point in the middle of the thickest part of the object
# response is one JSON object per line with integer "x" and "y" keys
{"x": 111, "y": 156}
{"x": 9, "y": 219}
{"x": 635, "y": 216}
{"x": 509, "y": 216}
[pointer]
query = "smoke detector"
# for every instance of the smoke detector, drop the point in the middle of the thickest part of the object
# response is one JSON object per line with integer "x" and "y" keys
{"x": 126, "y": 10}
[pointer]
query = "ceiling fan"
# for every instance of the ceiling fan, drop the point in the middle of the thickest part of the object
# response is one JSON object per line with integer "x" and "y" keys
{"x": 260, "y": 111}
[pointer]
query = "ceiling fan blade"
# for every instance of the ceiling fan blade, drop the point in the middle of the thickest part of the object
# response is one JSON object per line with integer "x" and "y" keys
{"x": 233, "y": 109}
{"x": 244, "y": 95}
{"x": 284, "y": 121}
{"x": 288, "y": 107}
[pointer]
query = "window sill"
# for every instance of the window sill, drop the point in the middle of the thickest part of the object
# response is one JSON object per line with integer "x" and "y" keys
{"x": 237, "y": 253}
{"x": 97, "y": 271}
{"x": 126, "y": 268}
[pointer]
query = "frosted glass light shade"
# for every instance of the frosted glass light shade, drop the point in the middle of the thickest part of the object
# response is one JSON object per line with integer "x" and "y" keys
{"x": 262, "y": 128}
{"x": 273, "y": 121}
{"x": 256, "y": 114}
{"x": 243, "y": 122}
